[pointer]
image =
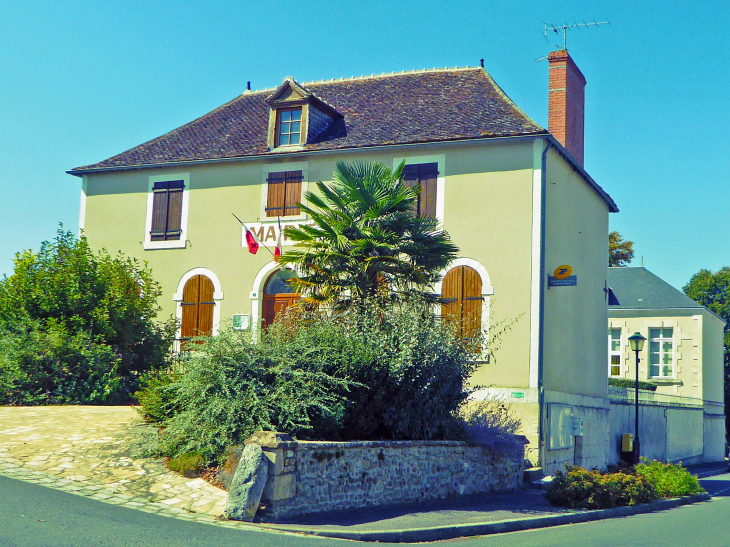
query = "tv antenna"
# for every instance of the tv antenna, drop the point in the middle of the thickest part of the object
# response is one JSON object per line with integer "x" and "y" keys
{"x": 557, "y": 28}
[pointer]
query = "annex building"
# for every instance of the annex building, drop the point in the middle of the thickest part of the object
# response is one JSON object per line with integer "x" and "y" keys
{"x": 513, "y": 195}
{"x": 684, "y": 419}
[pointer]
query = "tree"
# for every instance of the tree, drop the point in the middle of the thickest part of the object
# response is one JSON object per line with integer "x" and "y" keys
{"x": 112, "y": 299}
{"x": 364, "y": 238}
{"x": 713, "y": 290}
{"x": 620, "y": 252}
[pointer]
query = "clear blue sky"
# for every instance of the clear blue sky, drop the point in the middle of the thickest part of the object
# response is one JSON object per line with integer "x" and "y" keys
{"x": 82, "y": 81}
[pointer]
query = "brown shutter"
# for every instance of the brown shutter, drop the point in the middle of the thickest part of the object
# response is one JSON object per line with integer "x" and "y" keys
{"x": 410, "y": 179}
{"x": 207, "y": 304}
{"x": 428, "y": 174}
{"x": 191, "y": 299}
{"x": 451, "y": 293}
{"x": 293, "y": 193}
{"x": 159, "y": 211}
{"x": 174, "y": 211}
{"x": 275, "y": 195}
{"x": 472, "y": 306}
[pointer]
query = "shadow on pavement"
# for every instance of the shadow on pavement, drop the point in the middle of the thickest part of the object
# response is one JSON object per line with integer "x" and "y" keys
{"x": 476, "y": 508}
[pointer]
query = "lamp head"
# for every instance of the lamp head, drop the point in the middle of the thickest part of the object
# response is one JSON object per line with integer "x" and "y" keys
{"x": 636, "y": 341}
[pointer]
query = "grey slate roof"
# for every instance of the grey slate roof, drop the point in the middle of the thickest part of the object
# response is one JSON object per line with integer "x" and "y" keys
{"x": 428, "y": 106}
{"x": 638, "y": 288}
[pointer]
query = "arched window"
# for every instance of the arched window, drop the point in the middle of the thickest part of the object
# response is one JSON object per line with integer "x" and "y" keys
{"x": 197, "y": 308}
{"x": 278, "y": 295}
{"x": 461, "y": 293}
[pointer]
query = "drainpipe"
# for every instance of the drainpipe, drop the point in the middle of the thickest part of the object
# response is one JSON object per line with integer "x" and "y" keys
{"x": 541, "y": 333}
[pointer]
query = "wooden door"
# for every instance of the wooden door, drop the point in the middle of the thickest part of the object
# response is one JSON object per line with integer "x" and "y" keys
{"x": 278, "y": 296}
{"x": 197, "y": 308}
{"x": 461, "y": 294}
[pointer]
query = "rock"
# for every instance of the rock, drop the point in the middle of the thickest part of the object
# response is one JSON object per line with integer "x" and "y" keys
{"x": 248, "y": 484}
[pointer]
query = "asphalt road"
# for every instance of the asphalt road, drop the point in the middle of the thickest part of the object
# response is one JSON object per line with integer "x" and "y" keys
{"x": 34, "y": 516}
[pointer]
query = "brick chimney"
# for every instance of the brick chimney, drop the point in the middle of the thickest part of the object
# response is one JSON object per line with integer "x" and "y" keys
{"x": 566, "y": 104}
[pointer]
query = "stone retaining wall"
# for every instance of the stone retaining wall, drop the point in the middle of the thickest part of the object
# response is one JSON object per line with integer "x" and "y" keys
{"x": 312, "y": 477}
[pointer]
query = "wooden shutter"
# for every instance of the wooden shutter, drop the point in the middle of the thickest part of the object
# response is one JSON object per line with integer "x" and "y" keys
{"x": 276, "y": 194}
{"x": 293, "y": 192}
{"x": 191, "y": 298}
{"x": 206, "y": 307}
{"x": 451, "y": 292}
{"x": 174, "y": 210}
{"x": 472, "y": 303}
{"x": 428, "y": 173}
{"x": 159, "y": 211}
{"x": 410, "y": 179}
{"x": 197, "y": 308}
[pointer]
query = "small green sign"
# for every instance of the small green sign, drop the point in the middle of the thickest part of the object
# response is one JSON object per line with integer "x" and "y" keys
{"x": 518, "y": 395}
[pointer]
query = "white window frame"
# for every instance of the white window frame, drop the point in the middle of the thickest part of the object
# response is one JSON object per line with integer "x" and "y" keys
{"x": 612, "y": 353}
{"x": 302, "y": 166}
{"x": 150, "y": 245}
{"x": 661, "y": 341}
{"x": 440, "y": 159}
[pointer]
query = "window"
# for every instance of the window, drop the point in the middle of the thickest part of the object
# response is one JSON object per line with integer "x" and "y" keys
{"x": 289, "y": 126}
{"x": 423, "y": 175}
{"x": 167, "y": 207}
{"x": 614, "y": 352}
{"x": 284, "y": 192}
{"x": 167, "y": 211}
{"x": 661, "y": 353}
{"x": 461, "y": 301}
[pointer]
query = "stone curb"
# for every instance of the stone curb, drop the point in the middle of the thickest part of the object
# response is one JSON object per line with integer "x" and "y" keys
{"x": 437, "y": 533}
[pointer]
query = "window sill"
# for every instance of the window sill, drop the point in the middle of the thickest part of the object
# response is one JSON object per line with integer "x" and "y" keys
{"x": 154, "y": 245}
{"x": 287, "y": 148}
{"x": 666, "y": 381}
{"x": 288, "y": 218}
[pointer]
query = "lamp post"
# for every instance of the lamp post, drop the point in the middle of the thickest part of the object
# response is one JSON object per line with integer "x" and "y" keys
{"x": 636, "y": 342}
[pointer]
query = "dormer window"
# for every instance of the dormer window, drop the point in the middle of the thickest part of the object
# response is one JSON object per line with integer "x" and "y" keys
{"x": 289, "y": 126}
{"x": 296, "y": 117}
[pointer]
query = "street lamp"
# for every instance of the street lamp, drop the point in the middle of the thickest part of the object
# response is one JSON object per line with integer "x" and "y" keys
{"x": 636, "y": 342}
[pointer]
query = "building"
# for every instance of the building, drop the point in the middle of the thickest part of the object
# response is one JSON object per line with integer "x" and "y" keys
{"x": 684, "y": 420}
{"x": 514, "y": 197}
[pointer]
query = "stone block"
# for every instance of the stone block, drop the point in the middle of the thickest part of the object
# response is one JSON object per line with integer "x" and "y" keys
{"x": 280, "y": 487}
{"x": 271, "y": 439}
{"x": 248, "y": 484}
{"x": 276, "y": 460}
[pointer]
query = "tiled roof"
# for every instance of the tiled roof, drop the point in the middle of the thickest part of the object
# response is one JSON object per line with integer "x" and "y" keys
{"x": 418, "y": 107}
{"x": 638, "y": 288}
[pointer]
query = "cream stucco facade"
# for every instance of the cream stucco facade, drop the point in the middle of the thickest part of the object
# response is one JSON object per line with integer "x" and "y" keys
{"x": 514, "y": 216}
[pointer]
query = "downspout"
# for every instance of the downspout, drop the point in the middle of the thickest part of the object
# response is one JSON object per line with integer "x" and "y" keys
{"x": 541, "y": 329}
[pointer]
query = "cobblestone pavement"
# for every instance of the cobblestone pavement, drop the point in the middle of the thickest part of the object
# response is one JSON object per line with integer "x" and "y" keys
{"x": 98, "y": 452}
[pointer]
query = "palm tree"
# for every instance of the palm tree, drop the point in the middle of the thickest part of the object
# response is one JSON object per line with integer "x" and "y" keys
{"x": 364, "y": 239}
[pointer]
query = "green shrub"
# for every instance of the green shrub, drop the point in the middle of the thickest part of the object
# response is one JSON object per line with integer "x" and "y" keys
{"x": 111, "y": 298}
{"x": 580, "y": 488}
{"x": 625, "y": 382}
{"x": 189, "y": 464}
{"x": 392, "y": 371}
{"x": 669, "y": 480}
{"x": 41, "y": 362}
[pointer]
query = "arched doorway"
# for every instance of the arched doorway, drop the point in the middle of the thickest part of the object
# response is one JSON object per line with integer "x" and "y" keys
{"x": 278, "y": 296}
{"x": 197, "y": 308}
{"x": 461, "y": 293}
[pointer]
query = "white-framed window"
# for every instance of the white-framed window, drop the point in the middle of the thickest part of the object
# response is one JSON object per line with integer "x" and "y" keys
{"x": 661, "y": 352}
{"x": 614, "y": 352}
{"x": 167, "y": 211}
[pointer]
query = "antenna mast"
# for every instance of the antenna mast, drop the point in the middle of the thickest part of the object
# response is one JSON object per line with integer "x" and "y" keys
{"x": 564, "y": 28}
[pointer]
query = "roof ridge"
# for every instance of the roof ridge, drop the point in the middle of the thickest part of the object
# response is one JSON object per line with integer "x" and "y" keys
{"x": 392, "y": 74}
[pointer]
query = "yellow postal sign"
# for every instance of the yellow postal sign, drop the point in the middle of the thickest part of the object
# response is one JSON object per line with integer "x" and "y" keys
{"x": 563, "y": 272}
